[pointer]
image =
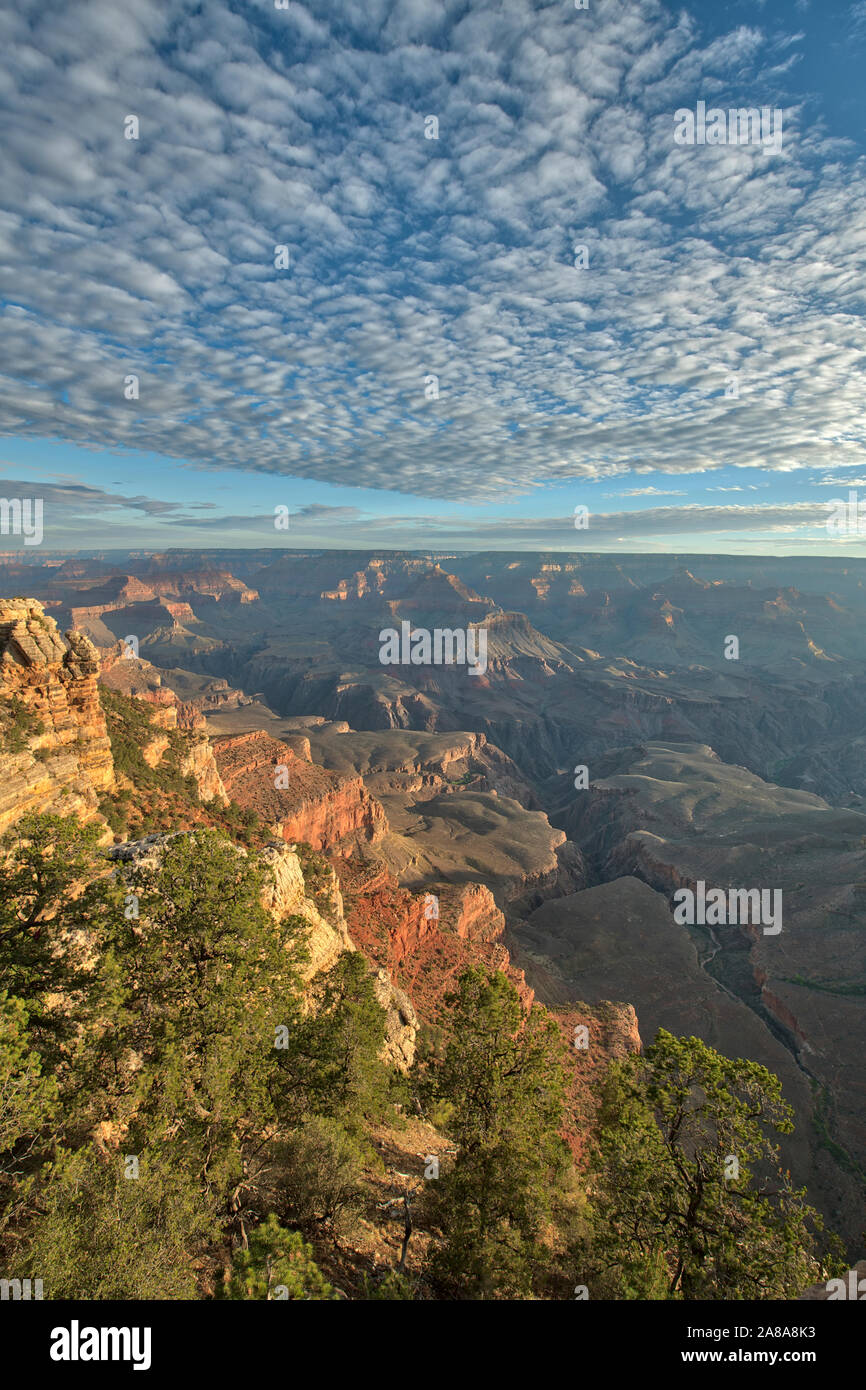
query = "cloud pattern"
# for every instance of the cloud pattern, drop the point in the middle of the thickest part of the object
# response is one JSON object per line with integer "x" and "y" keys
{"x": 431, "y": 334}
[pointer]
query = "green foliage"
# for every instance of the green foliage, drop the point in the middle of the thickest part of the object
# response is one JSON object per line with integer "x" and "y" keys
{"x": 130, "y": 729}
{"x": 670, "y": 1218}
{"x": 332, "y": 1066}
{"x": 320, "y": 1169}
{"x": 278, "y": 1264}
{"x": 18, "y": 726}
{"x": 244, "y": 824}
{"x": 318, "y": 879}
{"x": 53, "y": 906}
{"x": 144, "y": 1003}
{"x": 393, "y": 1288}
{"x": 205, "y": 978}
{"x": 27, "y": 1097}
{"x": 502, "y": 1074}
{"x": 155, "y": 992}
{"x": 165, "y": 798}
{"x": 105, "y": 1235}
{"x": 28, "y": 1102}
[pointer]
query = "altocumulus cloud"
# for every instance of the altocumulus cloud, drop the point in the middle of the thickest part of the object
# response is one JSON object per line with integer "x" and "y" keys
{"x": 412, "y": 258}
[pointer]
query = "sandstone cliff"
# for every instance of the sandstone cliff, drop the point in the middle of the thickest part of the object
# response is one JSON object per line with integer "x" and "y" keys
{"x": 189, "y": 694}
{"x": 55, "y": 740}
{"x": 611, "y": 1033}
{"x": 140, "y": 680}
{"x": 426, "y": 939}
{"x": 55, "y": 753}
{"x": 326, "y": 810}
{"x": 199, "y": 763}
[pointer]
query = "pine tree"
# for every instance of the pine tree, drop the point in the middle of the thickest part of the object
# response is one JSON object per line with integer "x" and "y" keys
{"x": 28, "y": 1112}
{"x": 55, "y": 901}
{"x": 277, "y": 1264}
{"x": 502, "y": 1077}
{"x": 207, "y": 979}
{"x": 332, "y": 1065}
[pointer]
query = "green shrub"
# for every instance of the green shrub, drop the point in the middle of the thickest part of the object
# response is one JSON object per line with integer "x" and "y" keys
{"x": 18, "y": 726}
{"x": 321, "y": 1172}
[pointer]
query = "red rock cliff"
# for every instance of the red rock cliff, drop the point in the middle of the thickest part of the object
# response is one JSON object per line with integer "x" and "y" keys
{"x": 426, "y": 952}
{"x": 326, "y": 810}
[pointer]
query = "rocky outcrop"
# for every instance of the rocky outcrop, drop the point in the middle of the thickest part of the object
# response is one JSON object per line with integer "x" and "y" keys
{"x": 199, "y": 763}
{"x": 337, "y": 819}
{"x": 426, "y": 939}
{"x": 674, "y": 815}
{"x": 565, "y": 874}
{"x": 328, "y": 937}
{"x": 401, "y": 1021}
{"x": 56, "y": 754}
{"x": 420, "y": 765}
{"x": 168, "y": 593}
{"x": 153, "y": 752}
{"x": 190, "y": 695}
{"x": 139, "y": 680}
{"x": 307, "y": 803}
{"x": 56, "y": 750}
{"x": 218, "y": 584}
{"x": 285, "y": 895}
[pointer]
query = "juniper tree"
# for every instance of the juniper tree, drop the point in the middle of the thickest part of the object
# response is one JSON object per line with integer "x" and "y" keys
{"x": 55, "y": 902}
{"x": 689, "y": 1196}
{"x": 28, "y": 1110}
{"x": 105, "y": 1232}
{"x": 332, "y": 1064}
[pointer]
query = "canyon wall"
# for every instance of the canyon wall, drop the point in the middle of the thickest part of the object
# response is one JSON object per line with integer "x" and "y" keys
{"x": 55, "y": 754}
{"x": 307, "y": 803}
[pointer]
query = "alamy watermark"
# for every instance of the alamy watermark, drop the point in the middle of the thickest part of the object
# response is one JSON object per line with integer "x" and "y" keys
{"x": 21, "y": 1289}
{"x": 720, "y": 907}
{"x": 846, "y": 518}
{"x": 445, "y": 646}
{"x": 737, "y": 126}
{"x": 22, "y": 516}
{"x": 77, "y": 1343}
{"x": 854, "y": 1289}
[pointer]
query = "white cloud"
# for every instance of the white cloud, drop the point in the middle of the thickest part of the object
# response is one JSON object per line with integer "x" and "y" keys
{"x": 413, "y": 257}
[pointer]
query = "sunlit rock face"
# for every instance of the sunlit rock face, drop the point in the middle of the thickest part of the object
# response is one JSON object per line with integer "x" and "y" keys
{"x": 56, "y": 754}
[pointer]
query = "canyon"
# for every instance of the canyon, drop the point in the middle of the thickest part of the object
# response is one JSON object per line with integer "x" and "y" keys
{"x": 447, "y": 806}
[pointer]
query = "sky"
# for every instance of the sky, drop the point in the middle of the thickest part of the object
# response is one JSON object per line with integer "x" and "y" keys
{"x": 434, "y": 275}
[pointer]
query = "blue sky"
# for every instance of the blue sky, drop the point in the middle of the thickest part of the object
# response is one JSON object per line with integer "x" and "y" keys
{"x": 432, "y": 369}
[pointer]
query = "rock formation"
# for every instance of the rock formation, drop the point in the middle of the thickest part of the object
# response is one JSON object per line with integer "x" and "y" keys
{"x": 309, "y": 804}
{"x": 426, "y": 939}
{"x": 56, "y": 754}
